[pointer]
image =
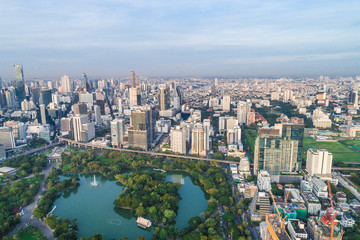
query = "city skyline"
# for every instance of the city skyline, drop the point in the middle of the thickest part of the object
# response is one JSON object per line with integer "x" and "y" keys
{"x": 158, "y": 38}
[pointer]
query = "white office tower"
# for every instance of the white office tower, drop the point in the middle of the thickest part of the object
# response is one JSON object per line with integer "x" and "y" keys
{"x": 319, "y": 161}
{"x": 117, "y": 132}
{"x": 78, "y": 122}
{"x": 7, "y": 137}
{"x": 55, "y": 98}
{"x": 65, "y": 85}
{"x": 216, "y": 82}
{"x": 226, "y": 103}
{"x": 198, "y": 140}
{"x": 97, "y": 111}
{"x": 178, "y": 139}
{"x": 241, "y": 112}
{"x": 231, "y": 122}
{"x": 25, "y": 105}
{"x": 42, "y": 114}
{"x": 264, "y": 181}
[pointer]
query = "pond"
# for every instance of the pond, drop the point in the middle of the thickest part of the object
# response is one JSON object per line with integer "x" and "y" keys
{"x": 94, "y": 209}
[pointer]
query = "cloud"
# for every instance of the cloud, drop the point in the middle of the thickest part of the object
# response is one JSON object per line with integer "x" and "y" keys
{"x": 62, "y": 33}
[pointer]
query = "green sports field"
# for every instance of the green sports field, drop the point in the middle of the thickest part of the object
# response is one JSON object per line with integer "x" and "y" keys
{"x": 340, "y": 151}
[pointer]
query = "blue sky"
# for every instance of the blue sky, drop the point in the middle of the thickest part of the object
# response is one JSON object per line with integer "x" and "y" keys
{"x": 179, "y": 38}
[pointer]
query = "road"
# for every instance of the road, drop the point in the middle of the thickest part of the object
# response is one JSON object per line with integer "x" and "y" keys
{"x": 32, "y": 151}
{"x": 89, "y": 145}
{"x": 29, "y": 209}
{"x": 348, "y": 186}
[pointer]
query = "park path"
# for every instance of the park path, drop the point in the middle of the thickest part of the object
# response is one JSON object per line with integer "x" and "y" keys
{"x": 28, "y": 216}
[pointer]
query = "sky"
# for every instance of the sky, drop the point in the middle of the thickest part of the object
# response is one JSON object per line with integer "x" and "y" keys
{"x": 106, "y": 38}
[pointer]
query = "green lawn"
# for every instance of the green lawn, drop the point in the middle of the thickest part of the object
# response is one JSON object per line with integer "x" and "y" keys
{"x": 30, "y": 233}
{"x": 340, "y": 151}
{"x": 355, "y": 143}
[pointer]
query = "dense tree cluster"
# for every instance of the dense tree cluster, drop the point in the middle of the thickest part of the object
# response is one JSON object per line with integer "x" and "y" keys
{"x": 19, "y": 193}
{"x": 148, "y": 194}
{"x": 64, "y": 229}
{"x": 27, "y": 164}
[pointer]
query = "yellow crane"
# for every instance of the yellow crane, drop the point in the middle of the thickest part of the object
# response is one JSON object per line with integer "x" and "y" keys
{"x": 287, "y": 196}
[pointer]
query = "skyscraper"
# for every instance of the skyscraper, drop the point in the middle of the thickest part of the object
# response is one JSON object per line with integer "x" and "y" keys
{"x": 133, "y": 79}
{"x": 135, "y": 97}
{"x": 65, "y": 85}
{"x": 117, "y": 132}
{"x": 198, "y": 140}
{"x": 10, "y": 97}
{"x": 45, "y": 96}
{"x": 139, "y": 133}
{"x": 226, "y": 103}
{"x": 43, "y": 113}
{"x": 97, "y": 111}
{"x": 319, "y": 161}
{"x": 353, "y": 97}
{"x": 78, "y": 122}
{"x": 19, "y": 82}
{"x": 178, "y": 140}
{"x": 86, "y": 82}
{"x": 241, "y": 113}
{"x": 164, "y": 99}
{"x": 279, "y": 148}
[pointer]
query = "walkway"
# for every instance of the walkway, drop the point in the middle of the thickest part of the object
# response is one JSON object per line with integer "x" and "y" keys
{"x": 29, "y": 209}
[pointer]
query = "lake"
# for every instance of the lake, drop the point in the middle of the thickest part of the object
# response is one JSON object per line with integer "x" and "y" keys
{"x": 94, "y": 209}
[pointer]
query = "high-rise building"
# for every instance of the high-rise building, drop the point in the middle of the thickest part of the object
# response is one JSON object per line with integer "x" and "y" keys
{"x": 7, "y": 137}
{"x": 164, "y": 99}
{"x": 199, "y": 140}
{"x": 135, "y": 96}
{"x": 178, "y": 140}
{"x": 25, "y": 105}
{"x": 226, "y": 103}
{"x": 10, "y": 97}
{"x": 43, "y": 113}
{"x": 86, "y": 82}
{"x": 80, "y": 108}
{"x": 117, "y": 132}
{"x": 279, "y": 149}
{"x": 241, "y": 113}
{"x": 141, "y": 133}
{"x": 78, "y": 122}
{"x": 45, "y": 96}
{"x": 97, "y": 111}
{"x": 133, "y": 79}
{"x": 65, "y": 85}
{"x": 19, "y": 82}
{"x": 353, "y": 97}
{"x": 319, "y": 161}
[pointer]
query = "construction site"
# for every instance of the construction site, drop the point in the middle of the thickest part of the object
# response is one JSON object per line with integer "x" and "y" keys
{"x": 319, "y": 230}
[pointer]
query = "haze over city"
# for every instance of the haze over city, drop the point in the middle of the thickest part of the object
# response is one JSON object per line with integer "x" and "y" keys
{"x": 186, "y": 38}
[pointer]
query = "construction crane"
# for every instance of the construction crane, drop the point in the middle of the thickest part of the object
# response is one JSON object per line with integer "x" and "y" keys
{"x": 328, "y": 218}
{"x": 277, "y": 210}
{"x": 287, "y": 196}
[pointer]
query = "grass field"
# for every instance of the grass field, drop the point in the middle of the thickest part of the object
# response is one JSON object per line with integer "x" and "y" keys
{"x": 30, "y": 233}
{"x": 340, "y": 151}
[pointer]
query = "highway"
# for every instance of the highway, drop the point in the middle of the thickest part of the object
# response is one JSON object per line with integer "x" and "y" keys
{"x": 69, "y": 141}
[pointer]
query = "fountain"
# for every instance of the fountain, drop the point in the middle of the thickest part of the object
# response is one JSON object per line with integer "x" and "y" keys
{"x": 94, "y": 183}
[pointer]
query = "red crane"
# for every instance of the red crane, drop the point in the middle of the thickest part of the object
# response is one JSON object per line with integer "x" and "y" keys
{"x": 330, "y": 219}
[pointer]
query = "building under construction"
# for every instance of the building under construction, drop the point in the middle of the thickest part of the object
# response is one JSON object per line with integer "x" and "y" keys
{"x": 292, "y": 210}
{"x": 272, "y": 228}
{"x": 318, "y": 230}
{"x": 260, "y": 206}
